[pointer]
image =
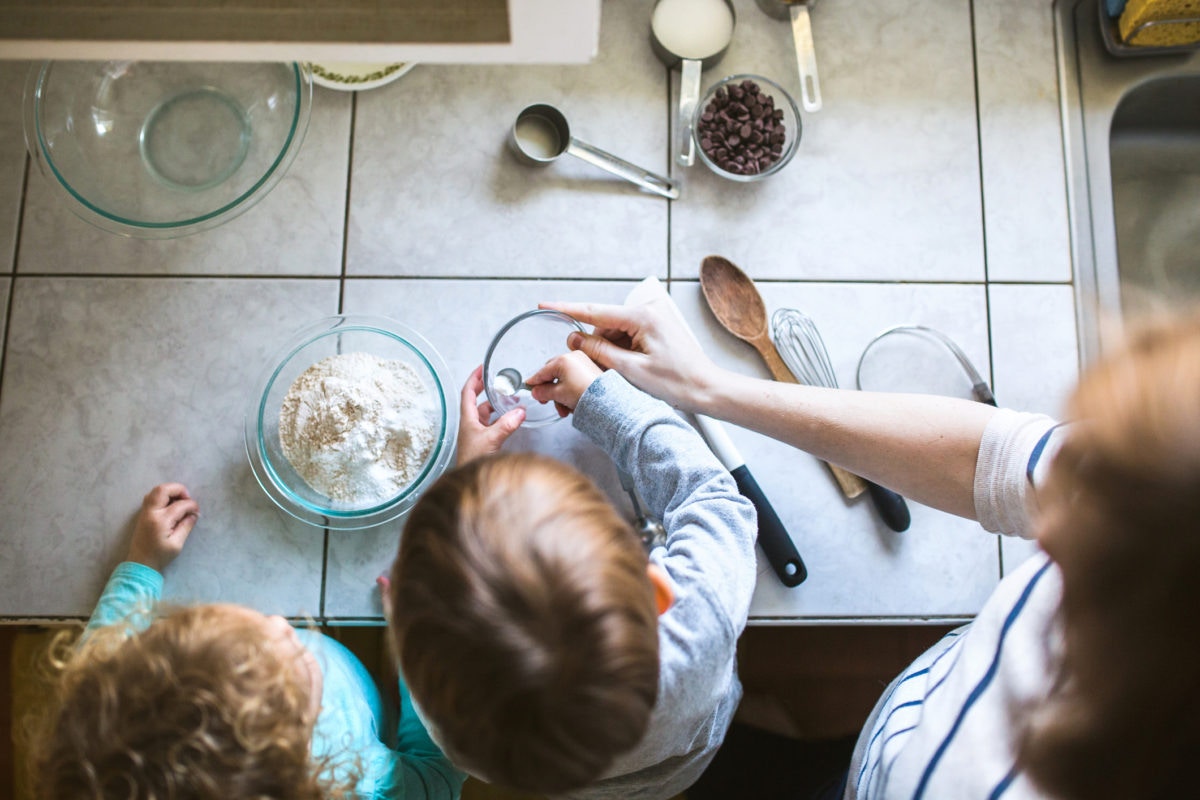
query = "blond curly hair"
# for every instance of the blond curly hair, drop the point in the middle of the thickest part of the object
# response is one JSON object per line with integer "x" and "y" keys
{"x": 193, "y": 707}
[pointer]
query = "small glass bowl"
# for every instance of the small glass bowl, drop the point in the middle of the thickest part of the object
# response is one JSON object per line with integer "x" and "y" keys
{"x": 163, "y": 149}
{"x": 783, "y": 102}
{"x": 381, "y": 337}
{"x": 525, "y": 344}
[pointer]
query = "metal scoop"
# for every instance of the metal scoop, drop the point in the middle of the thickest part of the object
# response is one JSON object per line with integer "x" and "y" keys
{"x": 649, "y": 530}
{"x": 806, "y": 54}
{"x": 508, "y": 382}
{"x": 541, "y": 134}
{"x": 692, "y": 35}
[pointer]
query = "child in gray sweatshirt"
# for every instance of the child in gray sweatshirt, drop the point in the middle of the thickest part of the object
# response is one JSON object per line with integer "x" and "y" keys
{"x": 542, "y": 646}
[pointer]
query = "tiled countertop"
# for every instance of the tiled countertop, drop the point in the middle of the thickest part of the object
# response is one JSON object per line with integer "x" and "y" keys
{"x": 930, "y": 189}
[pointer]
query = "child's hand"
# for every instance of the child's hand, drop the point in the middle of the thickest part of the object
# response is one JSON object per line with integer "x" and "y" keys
{"x": 477, "y": 438}
{"x": 563, "y": 380}
{"x": 166, "y": 518}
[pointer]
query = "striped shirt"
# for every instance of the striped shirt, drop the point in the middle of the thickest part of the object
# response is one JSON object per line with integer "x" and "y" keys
{"x": 949, "y": 725}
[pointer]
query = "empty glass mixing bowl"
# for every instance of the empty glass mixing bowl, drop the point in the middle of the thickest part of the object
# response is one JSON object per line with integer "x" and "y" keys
{"x": 520, "y": 349}
{"x": 163, "y": 149}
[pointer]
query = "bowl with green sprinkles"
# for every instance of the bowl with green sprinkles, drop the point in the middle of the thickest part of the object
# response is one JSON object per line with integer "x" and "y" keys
{"x": 354, "y": 77}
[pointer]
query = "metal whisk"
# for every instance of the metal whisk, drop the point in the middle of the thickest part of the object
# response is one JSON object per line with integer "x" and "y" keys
{"x": 803, "y": 350}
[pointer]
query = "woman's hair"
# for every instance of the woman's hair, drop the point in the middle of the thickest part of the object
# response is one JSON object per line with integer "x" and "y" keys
{"x": 1121, "y": 517}
{"x": 194, "y": 706}
{"x": 525, "y": 623}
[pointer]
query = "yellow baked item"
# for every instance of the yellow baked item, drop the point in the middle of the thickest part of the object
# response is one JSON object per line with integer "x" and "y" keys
{"x": 1138, "y": 13}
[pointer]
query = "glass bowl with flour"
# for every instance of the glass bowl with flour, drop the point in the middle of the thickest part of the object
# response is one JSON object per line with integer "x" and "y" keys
{"x": 349, "y": 422}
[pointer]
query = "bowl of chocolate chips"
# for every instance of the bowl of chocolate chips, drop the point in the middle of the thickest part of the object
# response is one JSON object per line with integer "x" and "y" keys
{"x": 747, "y": 127}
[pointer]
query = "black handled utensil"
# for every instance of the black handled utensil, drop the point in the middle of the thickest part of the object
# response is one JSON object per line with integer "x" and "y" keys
{"x": 803, "y": 350}
{"x": 776, "y": 543}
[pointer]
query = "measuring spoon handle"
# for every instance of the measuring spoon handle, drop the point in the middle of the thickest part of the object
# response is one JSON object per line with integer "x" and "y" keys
{"x": 620, "y": 167}
{"x": 689, "y": 98}
{"x": 806, "y": 58}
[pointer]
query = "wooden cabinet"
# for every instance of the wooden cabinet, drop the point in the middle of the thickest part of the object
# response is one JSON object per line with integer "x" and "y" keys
{"x": 455, "y": 31}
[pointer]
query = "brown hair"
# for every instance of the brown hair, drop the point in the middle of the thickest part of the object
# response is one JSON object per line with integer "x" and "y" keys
{"x": 525, "y": 623}
{"x": 192, "y": 707}
{"x": 1122, "y": 520}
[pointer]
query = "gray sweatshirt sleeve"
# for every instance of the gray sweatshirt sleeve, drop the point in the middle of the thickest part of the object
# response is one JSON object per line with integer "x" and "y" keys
{"x": 711, "y": 528}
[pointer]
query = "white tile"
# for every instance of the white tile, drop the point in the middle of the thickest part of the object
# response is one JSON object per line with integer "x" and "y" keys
{"x": 113, "y": 385}
{"x": 858, "y": 568}
{"x": 1036, "y": 355}
{"x": 885, "y": 184}
{"x": 295, "y": 230}
{"x": 459, "y": 317}
{"x": 435, "y": 191}
{"x": 1034, "y": 346}
{"x": 1020, "y": 134}
{"x": 12, "y": 156}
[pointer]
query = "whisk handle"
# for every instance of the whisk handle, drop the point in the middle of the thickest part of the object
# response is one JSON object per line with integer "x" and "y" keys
{"x": 777, "y": 545}
{"x": 891, "y": 507}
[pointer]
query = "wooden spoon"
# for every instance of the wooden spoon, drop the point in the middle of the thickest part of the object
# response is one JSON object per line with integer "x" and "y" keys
{"x": 737, "y": 305}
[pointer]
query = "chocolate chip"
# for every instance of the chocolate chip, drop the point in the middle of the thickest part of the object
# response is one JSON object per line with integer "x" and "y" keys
{"x": 741, "y": 130}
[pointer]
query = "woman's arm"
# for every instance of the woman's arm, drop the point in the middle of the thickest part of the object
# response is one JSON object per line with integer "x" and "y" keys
{"x": 922, "y": 446}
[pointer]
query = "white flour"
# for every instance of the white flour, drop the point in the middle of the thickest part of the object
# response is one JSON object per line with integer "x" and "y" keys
{"x": 357, "y": 428}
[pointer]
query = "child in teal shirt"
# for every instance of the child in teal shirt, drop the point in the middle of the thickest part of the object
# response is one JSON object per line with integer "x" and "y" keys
{"x": 220, "y": 701}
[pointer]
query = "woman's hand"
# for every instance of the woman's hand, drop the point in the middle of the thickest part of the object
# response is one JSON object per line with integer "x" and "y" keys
{"x": 163, "y": 524}
{"x": 477, "y": 435}
{"x": 649, "y": 345}
{"x": 563, "y": 380}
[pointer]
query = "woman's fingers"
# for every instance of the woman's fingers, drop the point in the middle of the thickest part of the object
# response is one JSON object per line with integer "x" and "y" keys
{"x": 600, "y": 350}
{"x": 600, "y": 315}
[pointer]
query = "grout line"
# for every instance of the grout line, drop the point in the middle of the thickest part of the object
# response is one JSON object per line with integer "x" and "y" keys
{"x": 340, "y": 309}
{"x": 987, "y": 292}
{"x": 324, "y": 572}
{"x": 518, "y": 278}
{"x": 16, "y": 251}
{"x": 671, "y": 170}
{"x": 8, "y": 315}
{"x": 346, "y": 216}
{"x": 184, "y": 276}
{"x": 12, "y": 276}
{"x": 983, "y": 196}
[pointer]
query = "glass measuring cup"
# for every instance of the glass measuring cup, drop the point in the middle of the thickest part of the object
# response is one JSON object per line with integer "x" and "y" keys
{"x": 541, "y": 134}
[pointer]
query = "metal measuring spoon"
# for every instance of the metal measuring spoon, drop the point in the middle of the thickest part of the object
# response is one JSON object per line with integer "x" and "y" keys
{"x": 806, "y": 54}
{"x": 508, "y": 382}
{"x": 649, "y": 530}
{"x": 692, "y": 36}
{"x": 541, "y": 134}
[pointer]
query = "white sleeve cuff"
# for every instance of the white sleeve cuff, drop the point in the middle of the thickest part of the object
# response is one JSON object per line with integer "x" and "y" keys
{"x": 1002, "y": 489}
